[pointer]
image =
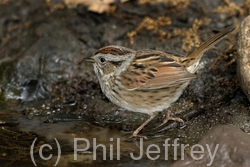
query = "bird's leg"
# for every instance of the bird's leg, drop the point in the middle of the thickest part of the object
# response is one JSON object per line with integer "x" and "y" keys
{"x": 135, "y": 133}
{"x": 168, "y": 117}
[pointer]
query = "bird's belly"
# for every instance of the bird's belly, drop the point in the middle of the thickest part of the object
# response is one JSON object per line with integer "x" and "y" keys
{"x": 148, "y": 100}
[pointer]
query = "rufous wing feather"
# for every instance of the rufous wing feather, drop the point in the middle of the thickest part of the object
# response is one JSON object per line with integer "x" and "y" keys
{"x": 168, "y": 77}
{"x": 154, "y": 71}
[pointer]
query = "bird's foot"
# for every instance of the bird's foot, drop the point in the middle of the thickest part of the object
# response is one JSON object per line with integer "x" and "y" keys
{"x": 135, "y": 135}
{"x": 169, "y": 118}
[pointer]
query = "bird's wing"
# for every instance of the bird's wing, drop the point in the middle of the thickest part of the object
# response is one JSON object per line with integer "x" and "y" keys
{"x": 153, "y": 70}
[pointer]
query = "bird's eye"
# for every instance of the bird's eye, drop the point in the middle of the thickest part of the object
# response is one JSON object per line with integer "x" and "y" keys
{"x": 102, "y": 60}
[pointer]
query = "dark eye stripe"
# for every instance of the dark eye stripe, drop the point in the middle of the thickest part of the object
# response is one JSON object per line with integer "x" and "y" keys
{"x": 116, "y": 63}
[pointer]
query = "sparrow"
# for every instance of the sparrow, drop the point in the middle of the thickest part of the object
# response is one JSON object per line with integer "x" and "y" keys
{"x": 147, "y": 81}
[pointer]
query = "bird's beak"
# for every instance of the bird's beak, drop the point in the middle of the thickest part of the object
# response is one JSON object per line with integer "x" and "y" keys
{"x": 89, "y": 59}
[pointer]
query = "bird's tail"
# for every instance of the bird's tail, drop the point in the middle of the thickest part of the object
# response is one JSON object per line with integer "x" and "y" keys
{"x": 194, "y": 57}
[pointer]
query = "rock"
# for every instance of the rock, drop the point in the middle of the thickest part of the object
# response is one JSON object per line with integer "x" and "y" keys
{"x": 243, "y": 58}
{"x": 233, "y": 149}
{"x": 40, "y": 56}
